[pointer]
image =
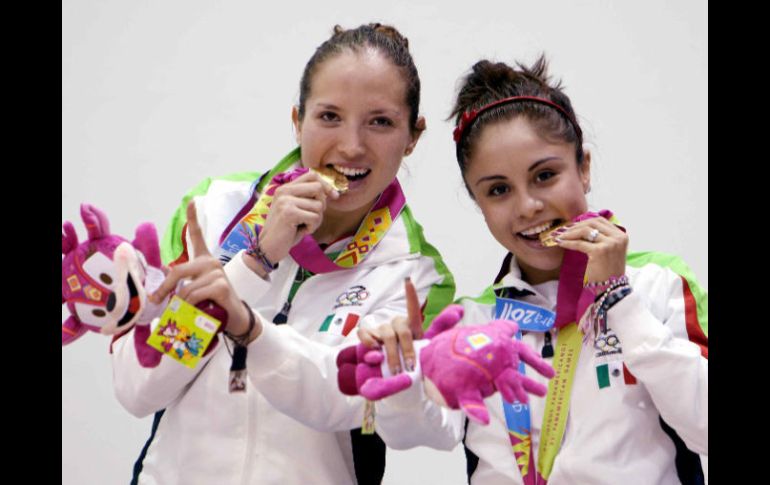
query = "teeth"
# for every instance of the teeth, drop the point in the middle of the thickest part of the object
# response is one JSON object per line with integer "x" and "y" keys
{"x": 349, "y": 171}
{"x": 536, "y": 229}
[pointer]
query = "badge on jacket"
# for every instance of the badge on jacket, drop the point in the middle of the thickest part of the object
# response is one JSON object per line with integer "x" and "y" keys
{"x": 610, "y": 368}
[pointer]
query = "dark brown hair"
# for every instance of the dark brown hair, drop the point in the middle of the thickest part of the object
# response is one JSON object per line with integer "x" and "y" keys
{"x": 385, "y": 39}
{"x": 488, "y": 82}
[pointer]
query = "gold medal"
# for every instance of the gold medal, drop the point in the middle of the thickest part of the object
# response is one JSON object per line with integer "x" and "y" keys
{"x": 547, "y": 238}
{"x": 333, "y": 178}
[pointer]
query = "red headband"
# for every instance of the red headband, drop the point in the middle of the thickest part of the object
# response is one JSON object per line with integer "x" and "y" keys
{"x": 470, "y": 116}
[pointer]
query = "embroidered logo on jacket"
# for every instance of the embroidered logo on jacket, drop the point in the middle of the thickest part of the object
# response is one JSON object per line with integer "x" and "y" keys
{"x": 352, "y": 297}
{"x": 607, "y": 344}
{"x": 611, "y": 371}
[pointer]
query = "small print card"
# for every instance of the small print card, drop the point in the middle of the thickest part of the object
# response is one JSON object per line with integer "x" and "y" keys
{"x": 184, "y": 332}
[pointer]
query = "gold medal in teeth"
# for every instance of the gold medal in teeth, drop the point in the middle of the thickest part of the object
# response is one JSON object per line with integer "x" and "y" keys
{"x": 333, "y": 178}
{"x": 547, "y": 238}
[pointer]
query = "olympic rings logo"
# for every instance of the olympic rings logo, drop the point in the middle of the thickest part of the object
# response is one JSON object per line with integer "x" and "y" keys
{"x": 352, "y": 297}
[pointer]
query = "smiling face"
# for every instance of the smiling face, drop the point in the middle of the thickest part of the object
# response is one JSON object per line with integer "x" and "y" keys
{"x": 356, "y": 121}
{"x": 525, "y": 184}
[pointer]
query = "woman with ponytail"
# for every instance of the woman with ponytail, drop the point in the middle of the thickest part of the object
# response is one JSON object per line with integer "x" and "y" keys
{"x": 298, "y": 256}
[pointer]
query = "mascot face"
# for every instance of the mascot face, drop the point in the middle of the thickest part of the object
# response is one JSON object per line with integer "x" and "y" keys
{"x": 102, "y": 279}
{"x": 105, "y": 291}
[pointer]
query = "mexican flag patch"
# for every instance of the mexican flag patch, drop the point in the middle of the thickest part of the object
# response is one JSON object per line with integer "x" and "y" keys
{"x": 614, "y": 374}
{"x": 337, "y": 325}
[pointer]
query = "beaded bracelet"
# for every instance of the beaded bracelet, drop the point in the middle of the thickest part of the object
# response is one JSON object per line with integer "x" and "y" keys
{"x": 598, "y": 288}
{"x": 596, "y": 320}
{"x": 256, "y": 252}
{"x": 615, "y": 296}
{"x": 601, "y": 306}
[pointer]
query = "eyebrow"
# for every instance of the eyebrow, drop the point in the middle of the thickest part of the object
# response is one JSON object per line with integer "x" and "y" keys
{"x": 328, "y": 106}
{"x": 489, "y": 178}
{"x": 374, "y": 112}
{"x": 382, "y": 111}
{"x": 531, "y": 168}
{"x": 541, "y": 161}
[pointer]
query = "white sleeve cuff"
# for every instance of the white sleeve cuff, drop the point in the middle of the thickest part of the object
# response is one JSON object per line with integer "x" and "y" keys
{"x": 249, "y": 284}
{"x": 268, "y": 351}
{"x": 637, "y": 329}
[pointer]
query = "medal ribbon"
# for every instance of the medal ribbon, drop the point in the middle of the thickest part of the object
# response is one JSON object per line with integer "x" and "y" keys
{"x": 571, "y": 302}
{"x": 248, "y": 222}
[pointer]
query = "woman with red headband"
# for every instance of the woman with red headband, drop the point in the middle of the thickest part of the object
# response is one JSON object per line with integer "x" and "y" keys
{"x": 626, "y": 332}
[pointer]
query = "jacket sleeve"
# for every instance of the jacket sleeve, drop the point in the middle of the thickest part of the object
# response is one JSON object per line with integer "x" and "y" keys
{"x": 143, "y": 391}
{"x": 662, "y": 327}
{"x": 299, "y": 377}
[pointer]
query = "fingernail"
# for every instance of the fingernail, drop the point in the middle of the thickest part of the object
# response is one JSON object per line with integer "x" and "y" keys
{"x": 409, "y": 363}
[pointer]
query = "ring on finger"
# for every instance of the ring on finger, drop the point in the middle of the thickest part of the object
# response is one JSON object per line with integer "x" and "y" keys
{"x": 592, "y": 235}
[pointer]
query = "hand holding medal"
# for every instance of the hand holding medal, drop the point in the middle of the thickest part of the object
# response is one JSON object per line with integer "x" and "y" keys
{"x": 332, "y": 177}
{"x": 604, "y": 243}
{"x": 297, "y": 210}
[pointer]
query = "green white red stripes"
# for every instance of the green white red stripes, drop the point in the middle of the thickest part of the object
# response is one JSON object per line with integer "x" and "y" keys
{"x": 694, "y": 296}
{"x": 614, "y": 374}
{"x": 339, "y": 325}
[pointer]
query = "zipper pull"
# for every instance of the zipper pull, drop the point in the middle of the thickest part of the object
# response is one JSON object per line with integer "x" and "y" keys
{"x": 547, "y": 351}
{"x": 283, "y": 315}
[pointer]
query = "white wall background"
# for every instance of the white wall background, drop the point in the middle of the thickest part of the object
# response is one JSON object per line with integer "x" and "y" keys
{"x": 157, "y": 95}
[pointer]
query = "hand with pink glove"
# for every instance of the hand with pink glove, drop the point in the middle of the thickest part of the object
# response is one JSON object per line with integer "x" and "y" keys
{"x": 460, "y": 366}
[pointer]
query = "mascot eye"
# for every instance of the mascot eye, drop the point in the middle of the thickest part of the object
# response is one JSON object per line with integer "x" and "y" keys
{"x": 94, "y": 315}
{"x": 102, "y": 269}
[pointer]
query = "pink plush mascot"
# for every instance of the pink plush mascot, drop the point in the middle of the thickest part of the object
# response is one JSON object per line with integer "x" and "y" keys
{"x": 106, "y": 279}
{"x": 460, "y": 366}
